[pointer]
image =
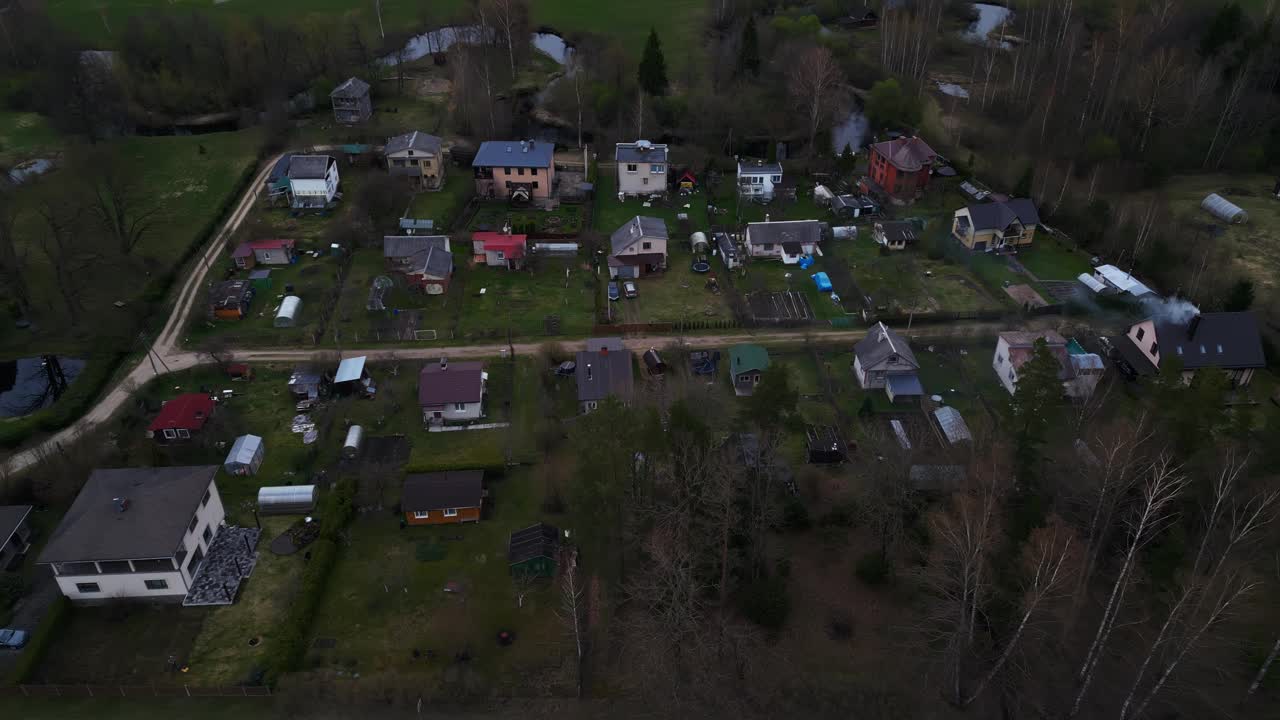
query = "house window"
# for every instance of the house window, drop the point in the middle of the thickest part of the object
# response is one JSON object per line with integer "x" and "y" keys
{"x": 410, "y": 152}
{"x": 535, "y": 184}
{"x": 1011, "y": 375}
{"x": 207, "y": 534}
{"x": 768, "y": 246}
{"x": 184, "y": 434}
{"x": 398, "y": 162}
{"x": 506, "y": 170}
{"x": 631, "y": 167}
{"x": 1219, "y": 349}
{"x": 658, "y": 169}
{"x": 776, "y": 179}
{"x": 520, "y": 171}
{"x": 157, "y": 584}
{"x": 1141, "y": 332}
{"x": 1155, "y": 349}
{"x": 170, "y": 434}
{"x": 195, "y": 521}
{"x": 591, "y": 405}
{"x": 459, "y": 406}
{"x": 646, "y": 245}
{"x": 87, "y": 588}
{"x": 644, "y": 181}
{"x": 451, "y": 512}
{"x": 196, "y": 558}
{"x": 999, "y": 359}
{"x": 205, "y": 500}
{"x": 420, "y": 514}
{"x": 756, "y": 379}
{"x": 499, "y": 254}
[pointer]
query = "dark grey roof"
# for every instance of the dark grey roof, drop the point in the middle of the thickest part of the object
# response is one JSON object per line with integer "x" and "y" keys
{"x": 595, "y": 345}
{"x": 420, "y": 141}
{"x": 758, "y": 167}
{"x": 784, "y": 231}
{"x": 540, "y": 540}
{"x": 514, "y": 153}
{"x": 880, "y": 343}
{"x": 11, "y": 516}
{"x": 1221, "y": 340}
{"x": 442, "y": 490}
{"x": 636, "y": 228}
{"x": 999, "y": 215}
{"x": 632, "y": 153}
{"x": 161, "y": 501}
{"x": 602, "y": 374}
{"x": 352, "y": 87}
{"x": 903, "y": 232}
{"x": 309, "y": 167}
{"x": 398, "y": 246}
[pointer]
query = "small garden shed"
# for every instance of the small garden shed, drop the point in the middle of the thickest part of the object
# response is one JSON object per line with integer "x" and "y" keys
{"x": 534, "y": 550}
{"x": 246, "y": 456}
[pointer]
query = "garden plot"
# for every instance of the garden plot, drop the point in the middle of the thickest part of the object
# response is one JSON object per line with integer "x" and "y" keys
{"x": 780, "y": 306}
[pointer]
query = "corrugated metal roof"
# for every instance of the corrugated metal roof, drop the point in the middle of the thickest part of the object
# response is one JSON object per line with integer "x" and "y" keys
{"x": 243, "y": 450}
{"x": 952, "y": 424}
{"x": 350, "y": 369}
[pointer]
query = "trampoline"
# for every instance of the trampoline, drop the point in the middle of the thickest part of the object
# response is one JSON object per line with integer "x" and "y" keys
{"x": 701, "y": 266}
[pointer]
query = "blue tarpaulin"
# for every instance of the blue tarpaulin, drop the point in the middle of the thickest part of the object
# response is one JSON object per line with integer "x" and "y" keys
{"x": 824, "y": 282}
{"x": 806, "y": 262}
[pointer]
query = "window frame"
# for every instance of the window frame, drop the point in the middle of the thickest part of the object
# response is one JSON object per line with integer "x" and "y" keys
{"x": 451, "y": 512}
{"x": 81, "y": 588}
{"x": 170, "y": 434}
{"x": 204, "y": 501}
{"x": 156, "y": 584}
{"x": 207, "y": 534}
{"x": 184, "y": 434}
{"x": 632, "y": 168}
{"x": 421, "y": 514}
{"x": 195, "y": 523}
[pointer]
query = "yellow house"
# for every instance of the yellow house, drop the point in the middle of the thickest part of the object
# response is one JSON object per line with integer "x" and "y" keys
{"x": 418, "y": 157}
{"x": 996, "y": 225}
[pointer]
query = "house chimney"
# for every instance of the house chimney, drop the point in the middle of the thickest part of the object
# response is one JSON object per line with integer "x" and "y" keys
{"x": 444, "y": 363}
{"x": 766, "y": 217}
{"x": 604, "y": 350}
{"x": 588, "y": 371}
{"x": 530, "y": 143}
{"x": 121, "y": 503}
{"x": 1192, "y": 326}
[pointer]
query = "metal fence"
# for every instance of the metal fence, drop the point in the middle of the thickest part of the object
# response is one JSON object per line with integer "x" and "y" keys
{"x": 113, "y": 691}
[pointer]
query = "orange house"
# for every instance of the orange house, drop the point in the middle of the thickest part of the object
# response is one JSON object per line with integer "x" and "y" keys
{"x": 443, "y": 497}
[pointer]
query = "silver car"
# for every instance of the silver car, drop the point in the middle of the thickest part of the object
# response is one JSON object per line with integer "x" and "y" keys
{"x": 13, "y": 639}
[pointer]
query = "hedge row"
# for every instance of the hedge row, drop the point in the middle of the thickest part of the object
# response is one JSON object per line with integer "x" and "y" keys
{"x": 290, "y": 645}
{"x": 40, "y": 639}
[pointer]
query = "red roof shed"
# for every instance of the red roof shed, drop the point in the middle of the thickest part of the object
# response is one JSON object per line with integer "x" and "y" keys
{"x": 189, "y": 412}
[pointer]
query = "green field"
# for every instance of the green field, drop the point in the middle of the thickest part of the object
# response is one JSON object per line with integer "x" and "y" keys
{"x": 25, "y": 135}
{"x": 443, "y": 207}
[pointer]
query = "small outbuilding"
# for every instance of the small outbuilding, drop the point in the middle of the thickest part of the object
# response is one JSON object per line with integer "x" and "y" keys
{"x": 287, "y": 499}
{"x": 230, "y": 299}
{"x": 351, "y": 446}
{"x": 698, "y": 242}
{"x": 534, "y": 551}
{"x": 287, "y": 314}
{"x": 1224, "y": 209}
{"x": 245, "y": 457}
{"x": 653, "y": 362}
{"x": 181, "y": 418}
{"x": 308, "y": 382}
{"x": 260, "y": 279}
{"x": 352, "y": 377}
{"x": 952, "y": 425}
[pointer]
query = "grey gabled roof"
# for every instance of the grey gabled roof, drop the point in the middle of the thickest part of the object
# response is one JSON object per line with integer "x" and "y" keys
{"x": 603, "y": 374}
{"x": 880, "y": 343}
{"x": 398, "y": 246}
{"x": 632, "y": 153}
{"x": 514, "y": 153}
{"x": 784, "y": 231}
{"x": 161, "y": 501}
{"x": 999, "y": 215}
{"x": 309, "y": 167}
{"x": 11, "y": 516}
{"x": 539, "y": 540}
{"x": 420, "y": 141}
{"x": 1221, "y": 340}
{"x": 352, "y": 87}
{"x": 758, "y": 167}
{"x": 636, "y": 228}
{"x": 442, "y": 490}
{"x": 897, "y": 231}
{"x": 243, "y": 450}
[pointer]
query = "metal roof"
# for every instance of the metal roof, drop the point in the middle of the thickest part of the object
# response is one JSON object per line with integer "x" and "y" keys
{"x": 999, "y": 215}
{"x": 784, "y": 231}
{"x": 758, "y": 167}
{"x": 880, "y": 343}
{"x": 603, "y": 374}
{"x": 746, "y": 357}
{"x": 243, "y": 450}
{"x": 514, "y": 153}
{"x": 352, "y": 87}
{"x": 1092, "y": 283}
{"x": 309, "y": 167}
{"x": 636, "y": 229}
{"x": 11, "y": 516}
{"x": 539, "y": 540}
{"x": 905, "y": 384}
{"x": 461, "y": 382}
{"x": 1122, "y": 280}
{"x": 952, "y": 424}
{"x": 350, "y": 369}
{"x": 640, "y": 151}
{"x": 420, "y": 141}
{"x": 1222, "y": 340}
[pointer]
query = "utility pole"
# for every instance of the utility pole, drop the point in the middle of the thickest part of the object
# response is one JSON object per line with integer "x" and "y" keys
{"x": 378, "y": 5}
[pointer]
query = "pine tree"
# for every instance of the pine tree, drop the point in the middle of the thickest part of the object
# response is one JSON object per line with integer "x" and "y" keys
{"x": 749, "y": 56}
{"x": 1038, "y": 390}
{"x": 653, "y": 67}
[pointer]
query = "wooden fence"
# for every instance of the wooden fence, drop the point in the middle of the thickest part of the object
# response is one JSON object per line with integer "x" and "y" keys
{"x": 113, "y": 691}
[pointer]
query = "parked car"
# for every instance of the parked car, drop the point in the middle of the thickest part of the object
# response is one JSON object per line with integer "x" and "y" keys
{"x": 629, "y": 288}
{"x": 613, "y": 291}
{"x": 13, "y": 639}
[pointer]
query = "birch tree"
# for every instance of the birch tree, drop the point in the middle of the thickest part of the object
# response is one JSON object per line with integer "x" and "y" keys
{"x": 572, "y": 609}
{"x": 813, "y": 80}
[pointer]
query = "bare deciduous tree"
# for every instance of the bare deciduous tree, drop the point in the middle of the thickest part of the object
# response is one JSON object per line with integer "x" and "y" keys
{"x": 812, "y": 80}
{"x": 123, "y": 207}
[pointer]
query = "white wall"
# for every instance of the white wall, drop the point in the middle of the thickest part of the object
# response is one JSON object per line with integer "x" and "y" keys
{"x": 131, "y": 585}
{"x": 632, "y": 182}
{"x": 763, "y": 187}
{"x": 1004, "y": 368}
{"x": 469, "y": 411}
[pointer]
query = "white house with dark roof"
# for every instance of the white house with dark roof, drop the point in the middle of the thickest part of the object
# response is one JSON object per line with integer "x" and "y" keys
{"x": 313, "y": 180}
{"x": 758, "y": 178}
{"x": 883, "y": 360}
{"x": 451, "y": 392}
{"x": 136, "y": 533}
{"x": 638, "y": 248}
{"x": 1228, "y": 341}
{"x": 642, "y": 168}
{"x": 785, "y": 240}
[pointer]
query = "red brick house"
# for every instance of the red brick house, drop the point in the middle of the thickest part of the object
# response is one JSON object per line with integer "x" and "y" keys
{"x": 181, "y": 418}
{"x": 901, "y": 167}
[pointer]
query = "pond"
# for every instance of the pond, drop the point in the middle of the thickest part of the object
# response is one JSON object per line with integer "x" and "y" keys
{"x": 990, "y": 17}
{"x": 852, "y": 132}
{"x": 441, "y": 39}
{"x": 29, "y": 384}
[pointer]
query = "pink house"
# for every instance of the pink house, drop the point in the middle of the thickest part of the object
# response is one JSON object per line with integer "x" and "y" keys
{"x": 514, "y": 169}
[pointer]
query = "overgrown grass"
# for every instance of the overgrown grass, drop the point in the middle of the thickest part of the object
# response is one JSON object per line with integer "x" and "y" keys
{"x": 443, "y": 206}
{"x": 24, "y": 136}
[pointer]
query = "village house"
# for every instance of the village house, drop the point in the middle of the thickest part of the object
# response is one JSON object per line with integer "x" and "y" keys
{"x": 229, "y": 299}
{"x": 1079, "y": 371}
{"x": 313, "y": 181}
{"x": 757, "y": 179}
{"x": 15, "y": 535}
{"x": 496, "y": 249}
{"x": 785, "y": 240}
{"x": 883, "y": 360}
{"x": 246, "y": 456}
{"x": 1228, "y": 341}
{"x": 901, "y": 168}
{"x": 534, "y": 551}
{"x": 351, "y": 104}
{"x": 441, "y": 498}
{"x": 265, "y": 252}
{"x": 603, "y": 370}
{"x": 996, "y": 225}
{"x": 642, "y": 168}
{"x": 417, "y": 157}
{"x": 425, "y": 261}
{"x": 638, "y": 248}
{"x": 181, "y": 418}
{"x": 136, "y": 533}
{"x": 747, "y": 362}
{"x": 514, "y": 169}
{"x": 895, "y": 235}
{"x": 451, "y": 392}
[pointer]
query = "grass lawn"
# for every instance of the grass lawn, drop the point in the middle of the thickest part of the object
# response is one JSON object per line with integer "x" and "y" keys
{"x": 221, "y": 654}
{"x": 493, "y": 215}
{"x": 125, "y": 643}
{"x": 610, "y": 213}
{"x": 190, "y": 178}
{"x": 25, "y": 135}
{"x": 140, "y": 708}
{"x": 381, "y": 612}
{"x": 960, "y": 374}
{"x": 678, "y": 295}
{"x": 443, "y": 206}
{"x": 1049, "y": 259}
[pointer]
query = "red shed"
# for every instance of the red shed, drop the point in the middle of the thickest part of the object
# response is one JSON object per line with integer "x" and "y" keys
{"x": 499, "y": 249}
{"x": 901, "y": 167}
{"x": 181, "y": 417}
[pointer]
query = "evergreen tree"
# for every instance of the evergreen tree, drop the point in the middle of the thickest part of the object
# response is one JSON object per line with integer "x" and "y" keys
{"x": 1023, "y": 188}
{"x": 653, "y": 67}
{"x": 1240, "y": 297}
{"x": 749, "y": 56}
{"x": 1038, "y": 390}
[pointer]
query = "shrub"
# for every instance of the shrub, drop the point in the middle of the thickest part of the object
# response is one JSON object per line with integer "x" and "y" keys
{"x": 795, "y": 516}
{"x": 873, "y": 569}
{"x": 765, "y": 602}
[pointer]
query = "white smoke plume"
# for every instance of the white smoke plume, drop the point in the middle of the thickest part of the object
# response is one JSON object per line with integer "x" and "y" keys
{"x": 1173, "y": 311}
